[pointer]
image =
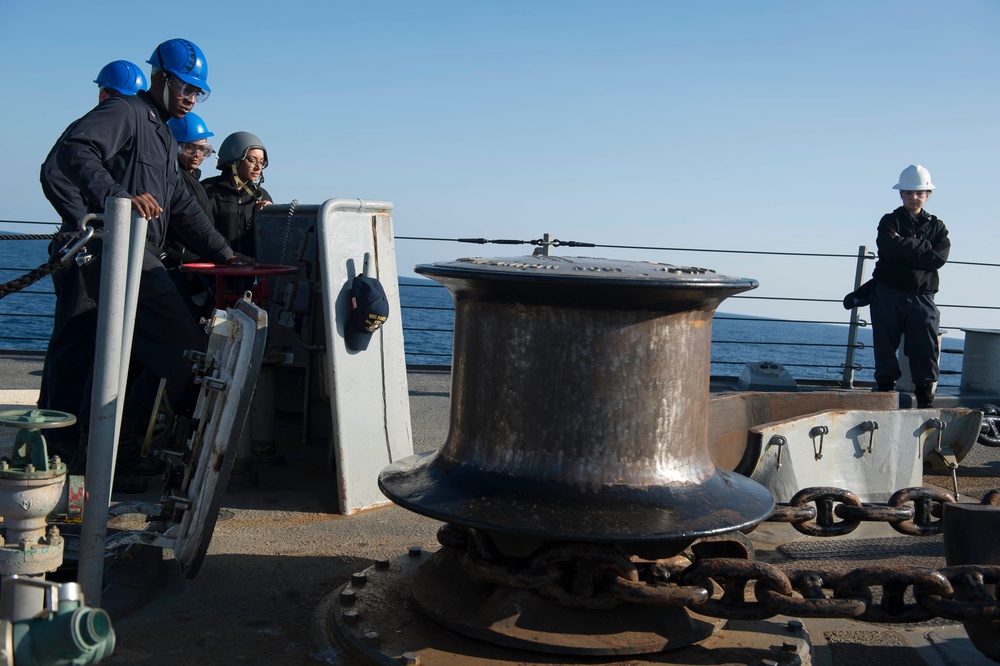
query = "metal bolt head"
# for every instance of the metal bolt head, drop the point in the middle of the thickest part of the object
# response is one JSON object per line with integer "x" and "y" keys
{"x": 4, "y": 465}
{"x": 359, "y": 579}
{"x": 55, "y": 461}
{"x": 347, "y": 597}
{"x": 373, "y": 638}
{"x": 25, "y": 544}
{"x": 415, "y": 551}
{"x": 52, "y": 531}
{"x": 410, "y": 658}
{"x": 382, "y": 565}
{"x": 788, "y": 646}
{"x": 29, "y": 468}
{"x": 351, "y": 616}
{"x": 794, "y": 625}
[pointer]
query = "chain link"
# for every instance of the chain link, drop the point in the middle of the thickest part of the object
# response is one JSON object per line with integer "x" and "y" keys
{"x": 911, "y": 511}
{"x": 600, "y": 576}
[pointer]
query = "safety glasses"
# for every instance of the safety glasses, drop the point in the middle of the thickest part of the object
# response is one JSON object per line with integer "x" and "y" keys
{"x": 194, "y": 149}
{"x": 186, "y": 90}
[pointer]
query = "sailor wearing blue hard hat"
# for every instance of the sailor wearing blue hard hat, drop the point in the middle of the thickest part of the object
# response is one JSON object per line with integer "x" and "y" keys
{"x": 191, "y": 134}
{"x": 123, "y": 148}
{"x": 119, "y": 77}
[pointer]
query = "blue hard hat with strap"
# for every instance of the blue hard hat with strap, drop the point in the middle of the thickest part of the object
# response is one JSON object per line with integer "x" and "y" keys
{"x": 123, "y": 76}
{"x": 189, "y": 128}
{"x": 184, "y": 60}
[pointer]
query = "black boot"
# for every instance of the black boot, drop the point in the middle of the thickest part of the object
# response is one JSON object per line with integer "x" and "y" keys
{"x": 129, "y": 484}
{"x": 925, "y": 396}
{"x": 130, "y": 460}
{"x": 883, "y": 386}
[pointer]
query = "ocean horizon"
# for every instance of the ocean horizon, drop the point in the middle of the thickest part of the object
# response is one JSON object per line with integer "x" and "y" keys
{"x": 814, "y": 351}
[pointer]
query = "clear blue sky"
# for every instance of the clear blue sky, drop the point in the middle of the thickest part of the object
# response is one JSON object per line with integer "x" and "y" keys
{"x": 735, "y": 124}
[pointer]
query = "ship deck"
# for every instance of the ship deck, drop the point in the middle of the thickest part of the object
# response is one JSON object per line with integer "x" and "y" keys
{"x": 279, "y": 549}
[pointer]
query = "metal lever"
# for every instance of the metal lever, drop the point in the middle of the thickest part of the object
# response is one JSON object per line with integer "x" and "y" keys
{"x": 780, "y": 442}
{"x": 819, "y": 431}
{"x": 870, "y": 427}
{"x": 939, "y": 425}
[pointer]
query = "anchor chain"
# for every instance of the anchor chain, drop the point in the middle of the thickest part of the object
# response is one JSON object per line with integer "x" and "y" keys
{"x": 989, "y": 434}
{"x": 599, "y": 576}
{"x": 910, "y": 511}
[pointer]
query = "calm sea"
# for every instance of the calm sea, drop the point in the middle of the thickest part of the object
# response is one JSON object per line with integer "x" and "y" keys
{"x": 808, "y": 351}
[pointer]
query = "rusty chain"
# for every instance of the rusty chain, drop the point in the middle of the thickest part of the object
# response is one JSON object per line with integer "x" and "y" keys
{"x": 600, "y": 576}
{"x": 911, "y": 511}
{"x": 989, "y": 433}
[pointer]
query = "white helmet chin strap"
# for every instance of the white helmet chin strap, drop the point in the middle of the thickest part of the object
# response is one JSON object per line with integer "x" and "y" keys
{"x": 166, "y": 96}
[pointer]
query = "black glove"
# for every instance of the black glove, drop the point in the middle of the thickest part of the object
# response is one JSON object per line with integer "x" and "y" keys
{"x": 240, "y": 260}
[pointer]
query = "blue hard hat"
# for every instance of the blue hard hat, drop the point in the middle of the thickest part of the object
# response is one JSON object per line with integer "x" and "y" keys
{"x": 123, "y": 76}
{"x": 184, "y": 60}
{"x": 189, "y": 128}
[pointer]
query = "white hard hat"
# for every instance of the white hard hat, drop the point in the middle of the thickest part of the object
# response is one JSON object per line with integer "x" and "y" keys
{"x": 914, "y": 178}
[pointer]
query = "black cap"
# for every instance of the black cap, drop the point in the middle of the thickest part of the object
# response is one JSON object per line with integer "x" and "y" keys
{"x": 369, "y": 310}
{"x": 860, "y": 297}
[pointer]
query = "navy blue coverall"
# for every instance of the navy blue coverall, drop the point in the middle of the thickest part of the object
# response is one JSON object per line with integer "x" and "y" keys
{"x": 123, "y": 148}
{"x": 233, "y": 211}
{"x": 911, "y": 249}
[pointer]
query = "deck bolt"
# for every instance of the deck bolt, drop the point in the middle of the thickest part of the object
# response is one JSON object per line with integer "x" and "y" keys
{"x": 788, "y": 646}
{"x": 794, "y": 625}
{"x": 410, "y": 658}
{"x": 373, "y": 638}
{"x": 351, "y": 616}
{"x": 359, "y": 579}
{"x": 24, "y": 544}
{"x": 382, "y": 565}
{"x": 416, "y": 551}
{"x": 55, "y": 461}
{"x": 29, "y": 468}
{"x": 348, "y": 597}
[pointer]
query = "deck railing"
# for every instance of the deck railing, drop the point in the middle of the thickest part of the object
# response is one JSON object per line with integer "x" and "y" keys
{"x": 852, "y": 269}
{"x": 428, "y": 326}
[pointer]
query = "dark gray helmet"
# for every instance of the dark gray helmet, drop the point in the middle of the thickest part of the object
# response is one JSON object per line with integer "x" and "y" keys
{"x": 236, "y": 146}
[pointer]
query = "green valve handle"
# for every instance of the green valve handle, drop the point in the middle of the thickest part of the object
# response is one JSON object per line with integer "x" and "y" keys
{"x": 30, "y": 447}
{"x": 36, "y": 419}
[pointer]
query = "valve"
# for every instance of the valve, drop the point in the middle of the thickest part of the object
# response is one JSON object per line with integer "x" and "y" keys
{"x": 65, "y": 631}
{"x": 30, "y": 447}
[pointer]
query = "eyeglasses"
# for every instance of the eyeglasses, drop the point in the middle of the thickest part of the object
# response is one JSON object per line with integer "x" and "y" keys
{"x": 193, "y": 149}
{"x": 185, "y": 89}
{"x": 253, "y": 161}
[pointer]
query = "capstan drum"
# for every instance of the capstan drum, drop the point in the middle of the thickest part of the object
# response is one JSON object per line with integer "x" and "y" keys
{"x": 579, "y": 407}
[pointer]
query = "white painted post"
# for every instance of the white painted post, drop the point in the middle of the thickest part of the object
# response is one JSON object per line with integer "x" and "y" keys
{"x": 368, "y": 391}
{"x": 116, "y": 314}
{"x": 981, "y": 360}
